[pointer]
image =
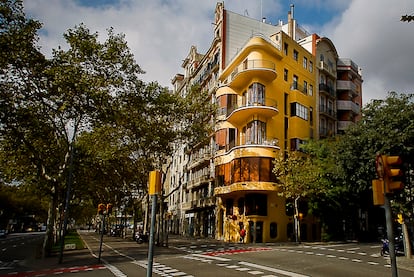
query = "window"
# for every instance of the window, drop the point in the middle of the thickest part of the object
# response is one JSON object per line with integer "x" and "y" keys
{"x": 297, "y": 109}
{"x": 256, "y": 204}
{"x": 311, "y": 115}
{"x": 305, "y": 62}
{"x": 310, "y": 90}
{"x": 252, "y": 169}
{"x": 286, "y": 46}
{"x": 305, "y": 87}
{"x": 273, "y": 230}
{"x": 295, "y": 144}
{"x": 256, "y": 94}
{"x": 295, "y": 55}
{"x": 240, "y": 204}
{"x": 229, "y": 207}
{"x": 255, "y": 132}
{"x": 285, "y": 74}
{"x": 310, "y": 66}
{"x": 295, "y": 82}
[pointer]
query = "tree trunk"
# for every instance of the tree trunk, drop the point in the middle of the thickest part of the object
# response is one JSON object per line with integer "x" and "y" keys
{"x": 49, "y": 236}
{"x": 407, "y": 242}
{"x": 297, "y": 221}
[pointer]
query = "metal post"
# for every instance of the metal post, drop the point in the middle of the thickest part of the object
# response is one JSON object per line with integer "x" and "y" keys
{"x": 151, "y": 240}
{"x": 390, "y": 232}
{"x": 100, "y": 243}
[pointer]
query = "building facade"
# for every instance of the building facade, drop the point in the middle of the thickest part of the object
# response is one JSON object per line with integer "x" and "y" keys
{"x": 275, "y": 86}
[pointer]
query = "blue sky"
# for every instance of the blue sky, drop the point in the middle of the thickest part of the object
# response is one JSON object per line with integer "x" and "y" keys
{"x": 161, "y": 32}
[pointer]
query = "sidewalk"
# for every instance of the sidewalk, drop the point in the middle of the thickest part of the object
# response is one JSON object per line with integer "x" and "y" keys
{"x": 405, "y": 263}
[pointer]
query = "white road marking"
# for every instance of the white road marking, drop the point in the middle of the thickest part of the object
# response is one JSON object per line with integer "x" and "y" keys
{"x": 274, "y": 270}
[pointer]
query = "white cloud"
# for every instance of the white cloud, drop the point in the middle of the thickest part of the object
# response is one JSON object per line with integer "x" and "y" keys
{"x": 160, "y": 33}
{"x": 370, "y": 33}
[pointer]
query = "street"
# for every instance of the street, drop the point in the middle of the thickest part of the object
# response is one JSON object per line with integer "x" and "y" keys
{"x": 190, "y": 257}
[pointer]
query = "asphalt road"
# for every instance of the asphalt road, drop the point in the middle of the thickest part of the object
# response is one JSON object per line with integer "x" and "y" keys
{"x": 185, "y": 257}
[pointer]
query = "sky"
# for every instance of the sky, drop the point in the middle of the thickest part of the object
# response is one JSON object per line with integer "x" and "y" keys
{"x": 161, "y": 32}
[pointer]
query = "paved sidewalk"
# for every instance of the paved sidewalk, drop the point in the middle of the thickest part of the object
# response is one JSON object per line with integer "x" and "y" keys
{"x": 405, "y": 263}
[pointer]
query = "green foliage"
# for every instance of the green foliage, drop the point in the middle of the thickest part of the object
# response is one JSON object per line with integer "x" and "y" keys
{"x": 347, "y": 164}
{"x": 297, "y": 175}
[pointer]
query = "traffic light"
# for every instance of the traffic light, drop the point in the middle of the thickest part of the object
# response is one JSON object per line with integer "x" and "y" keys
{"x": 378, "y": 192}
{"x": 101, "y": 208}
{"x": 154, "y": 182}
{"x": 109, "y": 208}
{"x": 393, "y": 173}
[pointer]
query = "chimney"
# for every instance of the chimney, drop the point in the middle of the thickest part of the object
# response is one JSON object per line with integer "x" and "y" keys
{"x": 291, "y": 21}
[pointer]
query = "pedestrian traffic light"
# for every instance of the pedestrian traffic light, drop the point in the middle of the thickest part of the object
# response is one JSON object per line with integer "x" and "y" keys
{"x": 101, "y": 208}
{"x": 154, "y": 182}
{"x": 400, "y": 218}
{"x": 109, "y": 208}
{"x": 378, "y": 192}
{"x": 393, "y": 173}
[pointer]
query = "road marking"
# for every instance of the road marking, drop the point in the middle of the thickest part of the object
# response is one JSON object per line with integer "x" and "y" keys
{"x": 356, "y": 260}
{"x": 211, "y": 257}
{"x": 161, "y": 269}
{"x": 255, "y": 272}
{"x": 113, "y": 269}
{"x": 242, "y": 269}
{"x": 373, "y": 263}
{"x": 274, "y": 270}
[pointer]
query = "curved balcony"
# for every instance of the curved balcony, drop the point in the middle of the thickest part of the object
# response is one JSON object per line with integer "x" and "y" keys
{"x": 246, "y": 186}
{"x": 267, "y": 148}
{"x": 246, "y": 71}
{"x": 239, "y": 115}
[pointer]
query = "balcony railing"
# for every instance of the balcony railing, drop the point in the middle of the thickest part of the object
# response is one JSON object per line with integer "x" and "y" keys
{"x": 330, "y": 90}
{"x": 270, "y": 141}
{"x": 342, "y": 125}
{"x": 268, "y": 69}
{"x": 329, "y": 69}
{"x": 296, "y": 86}
{"x": 348, "y": 105}
{"x": 327, "y": 110}
{"x": 267, "y": 103}
{"x": 346, "y": 85}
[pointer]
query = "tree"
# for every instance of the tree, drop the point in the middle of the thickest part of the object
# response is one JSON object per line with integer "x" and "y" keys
{"x": 46, "y": 103}
{"x": 349, "y": 165}
{"x": 387, "y": 127}
{"x": 297, "y": 176}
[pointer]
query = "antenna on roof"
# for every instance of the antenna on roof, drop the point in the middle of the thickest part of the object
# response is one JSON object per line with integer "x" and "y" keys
{"x": 261, "y": 9}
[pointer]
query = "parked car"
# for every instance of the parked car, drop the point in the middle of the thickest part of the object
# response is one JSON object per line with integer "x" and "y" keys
{"x": 3, "y": 233}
